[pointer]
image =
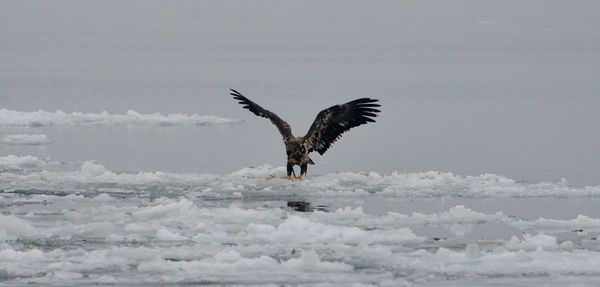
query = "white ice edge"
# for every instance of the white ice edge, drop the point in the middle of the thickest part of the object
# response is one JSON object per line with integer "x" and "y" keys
{"x": 26, "y": 139}
{"x": 41, "y": 118}
{"x": 27, "y": 173}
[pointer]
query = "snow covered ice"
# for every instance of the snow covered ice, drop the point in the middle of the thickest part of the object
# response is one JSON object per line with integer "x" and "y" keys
{"x": 93, "y": 225}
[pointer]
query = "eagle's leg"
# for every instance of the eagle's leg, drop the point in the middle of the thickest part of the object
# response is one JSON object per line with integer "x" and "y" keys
{"x": 290, "y": 170}
{"x": 303, "y": 168}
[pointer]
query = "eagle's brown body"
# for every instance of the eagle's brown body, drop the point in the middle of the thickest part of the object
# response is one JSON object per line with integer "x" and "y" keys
{"x": 329, "y": 126}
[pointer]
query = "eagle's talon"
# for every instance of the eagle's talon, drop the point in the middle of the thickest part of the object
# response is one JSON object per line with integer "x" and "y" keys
{"x": 298, "y": 177}
{"x": 289, "y": 177}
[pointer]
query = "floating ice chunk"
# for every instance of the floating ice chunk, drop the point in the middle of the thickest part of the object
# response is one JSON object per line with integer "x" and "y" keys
{"x": 103, "y": 197}
{"x": 74, "y": 197}
{"x": 229, "y": 256}
{"x": 310, "y": 261}
{"x": 19, "y": 163}
{"x": 45, "y": 118}
{"x": 541, "y": 240}
{"x": 460, "y": 213}
{"x": 65, "y": 275}
{"x": 519, "y": 263}
{"x": 138, "y": 227}
{"x": 229, "y": 186}
{"x": 7, "y": 255}
{"x": 348, "y": 213}
{"x": 13, "y": 226}
{"x": 260, "y": 263}
{"x": 166, "y": 235}
{"x": 25, "y": 139}
{"x": 103, "y": 279}
{"x": 158, "y": 211}
{"x": 532, "y": 242}
{"x": 261, "y": 171}
{"x": 314, "y": 232}
{"x": 374, "y": 175}
{"x": 230, "y": 262}
{"x": 92, "y": 169}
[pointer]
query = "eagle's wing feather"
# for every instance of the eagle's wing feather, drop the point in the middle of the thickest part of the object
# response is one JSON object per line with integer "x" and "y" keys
{"x": 282, "y": 126}
{"x": 332, "y": 122}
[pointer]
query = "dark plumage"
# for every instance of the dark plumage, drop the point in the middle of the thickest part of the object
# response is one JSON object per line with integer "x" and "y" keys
{"x": 328, "y": 127}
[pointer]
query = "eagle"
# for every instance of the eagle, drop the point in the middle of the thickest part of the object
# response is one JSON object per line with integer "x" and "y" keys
{"x": 328, "y": 127}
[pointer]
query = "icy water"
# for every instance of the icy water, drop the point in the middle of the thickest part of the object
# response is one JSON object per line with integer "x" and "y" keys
{"x": 95, "y": 226}
{"x": 124, "y": 161}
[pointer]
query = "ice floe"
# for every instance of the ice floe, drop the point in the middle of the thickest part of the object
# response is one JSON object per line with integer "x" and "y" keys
{"x": 533, "y": 242}
{"x": 175, "y": 240}
{"x": 271, "y": 180}
{"x": 97, "y": 226}
{"x": 46, "y": 118}
{"x": 25, "y": 139}
{"x": 12, "y": 227}
{"x": 12, "y": 163}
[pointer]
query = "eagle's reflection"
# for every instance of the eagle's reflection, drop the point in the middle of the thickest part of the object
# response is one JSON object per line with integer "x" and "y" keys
{"x": 305, "y": 206}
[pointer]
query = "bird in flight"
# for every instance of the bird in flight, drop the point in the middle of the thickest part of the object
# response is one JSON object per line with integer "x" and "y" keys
{"x": 327, "y": 128}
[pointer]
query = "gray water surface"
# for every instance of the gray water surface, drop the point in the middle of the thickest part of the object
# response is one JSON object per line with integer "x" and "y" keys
{"x": 468, "y": 87}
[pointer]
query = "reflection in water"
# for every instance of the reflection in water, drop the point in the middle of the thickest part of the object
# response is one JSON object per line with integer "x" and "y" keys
{"x": 305, "y": 206}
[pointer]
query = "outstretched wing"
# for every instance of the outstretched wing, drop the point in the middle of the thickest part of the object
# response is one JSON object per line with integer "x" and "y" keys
{"x": 282, "y": 126}
{"x": 332, "y": 122}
